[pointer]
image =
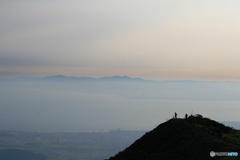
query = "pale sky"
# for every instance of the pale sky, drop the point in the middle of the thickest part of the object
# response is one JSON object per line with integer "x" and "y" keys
{"x": 139, "y": 38}
{"x": 150, "y": 39}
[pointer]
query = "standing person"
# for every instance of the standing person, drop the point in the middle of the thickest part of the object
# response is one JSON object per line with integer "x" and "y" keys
{"x": 186, "y": 116}
{"x": 175, "y": 115}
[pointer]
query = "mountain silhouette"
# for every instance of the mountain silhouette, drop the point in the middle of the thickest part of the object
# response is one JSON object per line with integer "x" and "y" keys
{"x": 87, "y": 79}
{"x": 66, "y": 78}
{"x": 180, "y": 139}
{"x": 17, "y": 154}
{"x": 122, "y": 78}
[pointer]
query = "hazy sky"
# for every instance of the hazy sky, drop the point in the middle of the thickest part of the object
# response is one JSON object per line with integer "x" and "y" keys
{"x": 150, "y": 39}
{"x": 156, "y": 39}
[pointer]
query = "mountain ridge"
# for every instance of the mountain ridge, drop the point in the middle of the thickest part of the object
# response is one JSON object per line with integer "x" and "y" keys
{"x": 108, "y": 78}
{"x": 63, "y": 78}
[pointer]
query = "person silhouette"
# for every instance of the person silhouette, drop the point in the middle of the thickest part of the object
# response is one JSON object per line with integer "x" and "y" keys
{"x": 186, "y": 116}
{"x": 175, "y": 115}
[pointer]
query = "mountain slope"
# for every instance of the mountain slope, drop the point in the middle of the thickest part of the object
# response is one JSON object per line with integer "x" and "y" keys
{"x": 17, "y": 154}
{"x": 180, "y": 139}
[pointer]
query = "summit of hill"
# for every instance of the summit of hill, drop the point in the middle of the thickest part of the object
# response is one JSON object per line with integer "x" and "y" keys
{"x": 180, "y": 139}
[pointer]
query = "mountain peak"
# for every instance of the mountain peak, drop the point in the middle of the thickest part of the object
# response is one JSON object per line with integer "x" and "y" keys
{"x": 179, "y": 139}
{"x": 58, "y": 76}
{"x": 125, "y": 78}
{"x": 55, "y": 77}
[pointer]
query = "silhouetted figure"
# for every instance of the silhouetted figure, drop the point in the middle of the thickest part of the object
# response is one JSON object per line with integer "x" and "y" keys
{"x": 175, "y": 115}
{"x": 186, "y": 116}
{"x": 190, "y": 119}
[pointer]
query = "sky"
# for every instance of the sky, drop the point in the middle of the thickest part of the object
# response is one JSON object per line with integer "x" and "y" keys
{"x": 157, "y": 39}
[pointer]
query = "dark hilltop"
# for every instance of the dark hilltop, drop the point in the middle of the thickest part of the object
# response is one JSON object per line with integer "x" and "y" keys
{"x": 180, "y": 139}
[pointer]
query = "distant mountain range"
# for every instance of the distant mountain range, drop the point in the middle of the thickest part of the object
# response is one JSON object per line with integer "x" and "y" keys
{"x": 181, "y": 139}
{"x": 80, "y": 79}
{"x": 112, "y": 78}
